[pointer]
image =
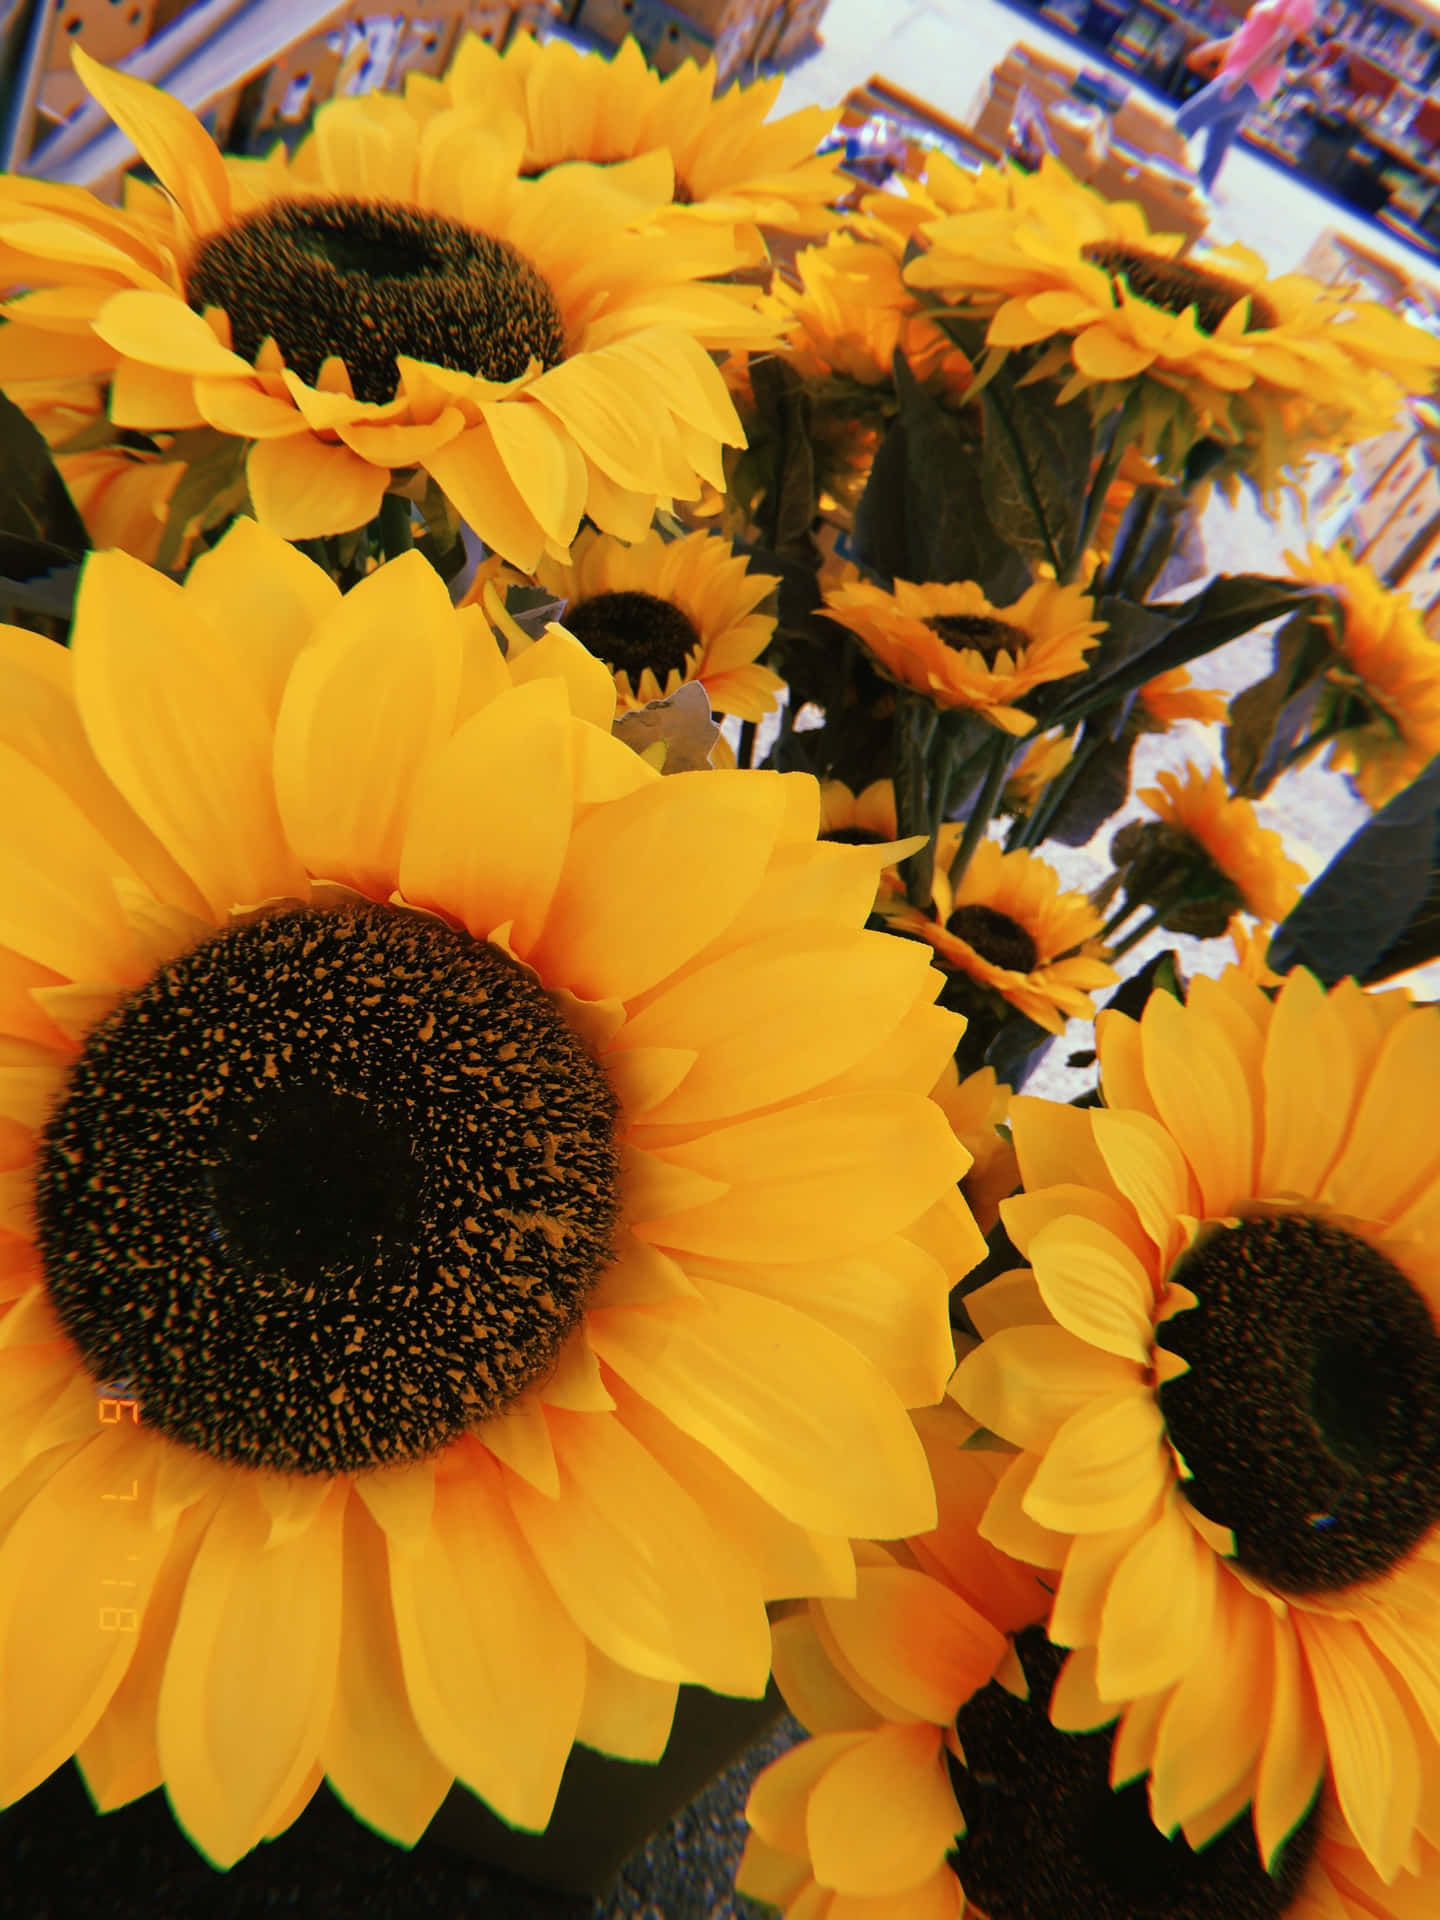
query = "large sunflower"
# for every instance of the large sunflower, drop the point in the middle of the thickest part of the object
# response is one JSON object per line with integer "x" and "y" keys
{"x": 490, "y": 1187}
{"x": 1380, "y": 707}
{"x": 732, "y": 166}
{"x": 950, "y": 644}
{"x": 662, "y": 612}
{"x": 1275, "y": 367}
{"x": 1011, "y": 930}
{"x": 1209, "y": 844}
{"x": 395, "y": 298}
{"x": 1223, "y": 1376}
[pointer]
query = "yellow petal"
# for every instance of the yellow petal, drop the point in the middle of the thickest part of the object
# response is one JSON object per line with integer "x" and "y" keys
{"x": 471, "y": 474}
{"x": 1024, "y": 1383}
{"x": 637, "y": 1564}
{"x": 494, "y": 1667}
{"x": 590, "y": 683}
{"x": 779, "y": 1399}
{"x": 1213, "y": 1728}
{"x": 359, "y": 719}
{"x": 1144, "y": 1647}
{"x": 373, "y": 1753}
{"x": 250, "y": 1679}
{"x": 1203, "y": 1099}
{"x": 882, "y": 1816}
{"x": 1006, "y": 1525}
{"x": 1105, "y": 1467}
{"x": 181, "y": 732}
{"x": 815, "y": 1690}
{"x": 1056, "y": 1146}
{"x": 303, "y": 489}
{"x": 778, "y": 1799}
{"x": 167, "y": 136}
{"x": 611, "y": 931}
{"x": 241, "y": 408}
{"x": 914, "y": 1641}
{"x": 1392, "y": 1154}
{"x": 542, "y": 461}
{"x": 159, "y": 330}
{"x": 1373, "y": 1760}
{"x": 1101, "y": 354}
{"x": 264, "y": 600}
{"x": 1293, "y": 1758}
{"x": 1094, "y": 1285}
{"x": 1150, "y": 1171}
{"x": 623, "y": 1713}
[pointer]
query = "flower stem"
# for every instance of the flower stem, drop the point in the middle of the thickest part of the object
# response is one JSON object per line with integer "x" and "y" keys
{"x": 983, "y": 811}
{"x": 1029, "y": 833}
{"x": 745, "y": 752}
{"x": 915, "y": 720}
{"x": 1123, "y": 563}
{"x": 1138, "y": 932}
{"x": 1105, "y": 473}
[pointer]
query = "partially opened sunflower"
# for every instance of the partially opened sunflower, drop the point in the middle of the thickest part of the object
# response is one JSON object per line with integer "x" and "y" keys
{"x": 394, "y": 300}
{"x": 1380, "y": 705}
{"x": 1205, "y": 856}
{"x": 733, "y": 166}
{"x": 664, "y": 612}
{"x": 1221, "y": 1371}
{"x": 488, "y": 1189}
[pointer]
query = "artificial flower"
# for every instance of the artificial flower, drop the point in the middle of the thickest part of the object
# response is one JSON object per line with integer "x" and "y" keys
{"x": 1210, "y": 849}
{"x": 976, "y": 1108}
{"x": 493, "y": 1188}
{"x": 851, "y": 312}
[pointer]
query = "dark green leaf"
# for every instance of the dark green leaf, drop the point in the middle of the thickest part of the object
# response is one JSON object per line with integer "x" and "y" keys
{"x": 35, "y": 503}
{"x": 1099, "y": 790}
{"x": 786, "y": 513}
{"x": 1036, "y": 467}
{"x": 533, "y": 608}
{"x": 882, "y": 525}
{"x": 1161, "y": 974}
{"x": 1374, "y": 898}
{"x": 1268, "y": 720}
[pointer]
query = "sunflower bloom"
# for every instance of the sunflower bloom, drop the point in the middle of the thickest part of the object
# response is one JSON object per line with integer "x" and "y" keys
{"x": 1276, "y": 367}
{"x": 490, "y": 1191}
{"x": 1382, "y": 700}
{"x": 1248, "y": 861}
{"x": 1011, "y": 930}
{"x": 950, "y": 644}
{"x": 852, "y": 311}
{"x": 733, "y": 167}
{"x": 1222, "y": 1373}
{"x": 393, "y": 301}
{"x": 663, "y": 612}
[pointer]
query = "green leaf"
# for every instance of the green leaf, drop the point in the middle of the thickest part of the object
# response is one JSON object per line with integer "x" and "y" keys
{"x": 35, "y": 503}
{"x": 786, "y": 513}
{"x": 1267, "y": 721}
{"x": 1375, "y": 899}
{"x": 1036, "y": 467}
{"x": 211, "y": 490}
{"x": 1099, "y": 790}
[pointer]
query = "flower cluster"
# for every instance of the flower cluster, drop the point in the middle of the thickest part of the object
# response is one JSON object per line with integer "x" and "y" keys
{"x": 564, "y": 651}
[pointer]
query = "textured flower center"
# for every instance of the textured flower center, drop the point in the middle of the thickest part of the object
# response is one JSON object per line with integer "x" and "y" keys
{"x": 980, "y": 633}
{"x": 995, "y": 937}
{"x": 1310, "y": 1417}
{"x": 1176, "y": 285}
{"x": 1047, "y": 1838}
{"x": 633, "y": 631}
{"x": 331, "y": 1188}
{"x": 369, "y": 279}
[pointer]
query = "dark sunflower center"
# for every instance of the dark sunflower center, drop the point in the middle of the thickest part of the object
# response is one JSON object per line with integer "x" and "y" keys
{"x": 1310, "y": 1417}
{"x": 979, "y": 633}
{"x": 369, "y": 279}
{"x": 331, "y": 1188}
{"x": 632, "y": 631}
{"x": 995, "y": 937}
{"x": 1047, "y": 1838}
{"x": 1176, "y": 285}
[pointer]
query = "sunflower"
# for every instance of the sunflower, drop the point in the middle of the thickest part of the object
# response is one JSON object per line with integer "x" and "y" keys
{"x": 1045, "y": 758}
{"x": 1011, "y": 930}
{"x": 1380, "y": 708}
{"x": 662, "y": 612}
{"x": 732, "y": 166}
{"x": 1222, "y": 1373}
{"x": 1273, "y": 367}
{"x": 852, "y": 311}
{"x": 950, "y": 644}
{"x": 497, "y": 1186}
{"x": 1013, "y": 1815}
{"x": 1205, "y": 857}
{"x": 976, "y": 1108}
{"x": 393, "y": 300}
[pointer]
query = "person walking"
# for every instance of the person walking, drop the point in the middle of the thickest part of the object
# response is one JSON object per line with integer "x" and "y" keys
{"x": 1251, "y": 68}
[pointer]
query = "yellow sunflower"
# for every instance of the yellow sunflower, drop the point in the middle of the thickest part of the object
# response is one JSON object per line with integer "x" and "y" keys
{"x": 732, "y": 165}
{"x": 1278, "y": 366}
{"x": 1248, "y": 860}
{"x": 1381, "y": 706}
{"x": 1222, "y": 1373}
{"x": 393, "y": 300}
{"x": 662, "y": 612}
{"x": 490, "y": 1189}
{"x": 951, "y": 645}
{"x": 976, "y": 1108}
{"x": 1010, "y": 928}
{"x": 1044, "y": 759}
{"x": 852, "y": 310}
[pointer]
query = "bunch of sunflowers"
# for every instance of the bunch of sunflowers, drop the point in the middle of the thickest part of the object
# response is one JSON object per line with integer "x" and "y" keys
{"x": 551, "y": 630}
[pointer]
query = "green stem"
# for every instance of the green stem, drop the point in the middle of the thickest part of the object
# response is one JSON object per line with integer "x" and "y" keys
{"x": 1123, "y": 562}
{"x": 983, "y": 811}
{"x": 1095, "y": 501}
{"x": 915, "y": 720}
{"x": 1138, "y": 932}
{"x": 745, "y": 752}
{"x": 1121, "y": 914}
{"x": 395, "y": 526}
{"x": 1032, "y": 831}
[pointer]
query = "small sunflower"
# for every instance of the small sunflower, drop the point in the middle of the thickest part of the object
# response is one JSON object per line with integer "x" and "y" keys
{"x": 1206, "y": 857}
{"x": 950, "y": 644}
{"x": 851, "y": 312}
{"x": 1275, "y": 366}
{"x": 976, "y": 1108}
{"x": 392, "y": 298}
{"x": 1044, "y": 759}
{"x": 1222, "y": 1373}
{"x": 500, "y": 1183}
{"x": 1015, "y": 1816}
{"x": 1011, "y": 929}
{"x": 662, "y": 612}
{"x": 1381, "y": 704}
{"x": 732, "y": 165}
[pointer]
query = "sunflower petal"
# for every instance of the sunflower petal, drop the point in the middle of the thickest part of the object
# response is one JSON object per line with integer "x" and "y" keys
{"x": 167, "y": 136}
{"x": 304, "y": 489}
{"x": 1144, "y": 1647}
{"x": 881, "y": 1817}
{"x": 624, "y": 1714}
{"x": 1105, "y": 1468}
